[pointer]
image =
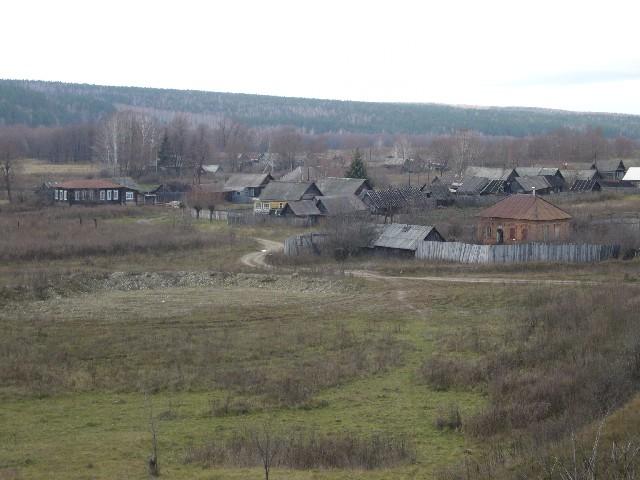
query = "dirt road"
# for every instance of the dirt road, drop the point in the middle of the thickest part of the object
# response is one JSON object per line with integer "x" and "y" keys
{"x": 257, "y": 259}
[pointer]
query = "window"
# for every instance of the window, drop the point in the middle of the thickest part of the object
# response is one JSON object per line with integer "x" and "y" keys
{"x": 64, "y": 192}
{"x": 76, "y": 195}
{"x": 129, "y": 195}
{"x": 55, "y": 194}
{"x": 524, "y": 234}
{"x": 108, "y": 194}
{"x": 84, "y": 194}
{"x": 101, "y": 194}
{"x": 115, "y": 194}
{"x": 512, "y": 233}
{"x": 90, "y": 194}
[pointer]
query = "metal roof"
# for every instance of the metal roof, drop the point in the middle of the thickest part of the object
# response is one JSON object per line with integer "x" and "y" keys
{"x": 472, "y": 185}
{"x": 401, "y": 236}
{"x": 525, "y": 207}
{"x": 239, "y": 181}
{"x": 288, "y": 191}
{"x": 340, "y": 205}
{"x": 570, "y": 176}
{"x": 398, "y": 198}
{"x": 331, "y": 186}
{"x": 632, "y": 175}
{"x": 493, "y": 187}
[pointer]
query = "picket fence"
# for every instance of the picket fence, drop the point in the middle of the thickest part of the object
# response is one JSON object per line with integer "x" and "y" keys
{"x": 520, "y": 253}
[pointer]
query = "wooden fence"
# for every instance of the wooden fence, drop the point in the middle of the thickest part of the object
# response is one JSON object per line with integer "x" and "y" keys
{"x": 261, "y": 219}
{"x": 305, "y": 244}
{"x": 520, "y": 253}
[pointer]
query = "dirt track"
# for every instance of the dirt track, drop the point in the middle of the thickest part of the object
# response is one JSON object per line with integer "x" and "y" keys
{"x": 257, "y": 259}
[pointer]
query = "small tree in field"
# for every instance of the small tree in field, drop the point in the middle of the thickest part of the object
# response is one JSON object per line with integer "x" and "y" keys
{"x": 268, "y": 446}
{"x": 357, "y": 168}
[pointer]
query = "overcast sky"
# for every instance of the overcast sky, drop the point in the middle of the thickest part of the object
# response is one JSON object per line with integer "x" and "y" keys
{"x": 576, "y": 55}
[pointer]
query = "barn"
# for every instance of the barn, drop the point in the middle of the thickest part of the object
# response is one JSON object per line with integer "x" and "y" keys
{"x": 522, "y": 218}
{"x": 400, "y": 238}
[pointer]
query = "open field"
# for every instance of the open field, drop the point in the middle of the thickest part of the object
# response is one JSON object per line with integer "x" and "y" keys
{"x": 96, "y": 342}
{"x": 39, "y": 167}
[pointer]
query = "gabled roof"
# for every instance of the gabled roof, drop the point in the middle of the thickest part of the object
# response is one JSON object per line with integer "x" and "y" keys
{"x": 401, "y": 236}
{"x": 340, "y": 205}
{"x": 393, "y": 199}
{"x": 609, "y": 165}
{"x": 331, "y": 186}
{"x": 89, "y": 184}
{"x": 537, "y": 171}
{"x": 490, "y": 173}
{"x": 570, "y": 176}
{"x": 632, "y": 175}
{"x": 525, "y": 207}
{"x": 529, "y": 183}
{"x": 303, "y": 174}
{"x": 288, "y": 191}
{"x": 239, "y": 181}
{"x": 472, "y": 185}
{"x": 304, "y": 208}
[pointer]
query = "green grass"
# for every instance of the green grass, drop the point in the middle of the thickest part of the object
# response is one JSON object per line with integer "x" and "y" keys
{"x": 80, "y": 430}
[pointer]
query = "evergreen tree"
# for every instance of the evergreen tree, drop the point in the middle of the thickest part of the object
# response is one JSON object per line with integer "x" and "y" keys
{"x": 357, "y": 168}
{"x": 165, "y": 152}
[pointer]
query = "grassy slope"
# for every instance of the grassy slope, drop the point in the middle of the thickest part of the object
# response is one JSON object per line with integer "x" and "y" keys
{"x": 68, "y": 432}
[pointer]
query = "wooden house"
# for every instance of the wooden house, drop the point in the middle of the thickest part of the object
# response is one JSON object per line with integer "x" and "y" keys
{"x": 276, "y": 195}
{"x": 403, "y": 239}
{"x": 551, "y": 174}
{"x": 245, "y": 187}
{"x": 333, "y": 206}
{"x": 537, "y": 185}
{"x": 521, "y": 219}
{"x": 94, "y": 192}
{"x": 610, "y": 169}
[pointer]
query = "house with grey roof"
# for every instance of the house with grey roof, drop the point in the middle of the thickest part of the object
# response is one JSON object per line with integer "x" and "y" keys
{"x": 538, "y": 185}
{"x": 245, "y": 187}
{"x": 402, "y": 238}
{"x": 610, "y": 169}
{"x": 276, "y": 195}
{"x": 551, "y": 174}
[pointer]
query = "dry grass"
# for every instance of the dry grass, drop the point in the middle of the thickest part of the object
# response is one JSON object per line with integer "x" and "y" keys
{"x": 39, "y": 167}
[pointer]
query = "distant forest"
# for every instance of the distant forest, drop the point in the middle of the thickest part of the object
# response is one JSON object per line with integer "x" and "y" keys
{"x": 37, "y": 103}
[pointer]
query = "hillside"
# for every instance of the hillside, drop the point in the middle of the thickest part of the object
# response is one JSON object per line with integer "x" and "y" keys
{"x": 38, "y": 103}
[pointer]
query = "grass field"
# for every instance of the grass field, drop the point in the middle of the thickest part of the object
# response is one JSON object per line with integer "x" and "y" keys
{"x": 95, "y": 344}
{"x": 38, "y": 167}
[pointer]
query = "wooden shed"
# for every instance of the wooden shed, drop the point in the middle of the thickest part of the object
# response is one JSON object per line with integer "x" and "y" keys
{"x": 521, "y": 219}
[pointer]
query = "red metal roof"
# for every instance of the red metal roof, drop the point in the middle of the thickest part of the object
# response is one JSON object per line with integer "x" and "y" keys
{"x": 93, "y": 183}
{"x": 525, "y": 207}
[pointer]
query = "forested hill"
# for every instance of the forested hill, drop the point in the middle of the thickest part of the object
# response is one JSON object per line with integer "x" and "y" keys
{"x": 38, "y": 103}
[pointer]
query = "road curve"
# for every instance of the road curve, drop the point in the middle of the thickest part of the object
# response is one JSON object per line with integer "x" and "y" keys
{"x": 257, "y": 259}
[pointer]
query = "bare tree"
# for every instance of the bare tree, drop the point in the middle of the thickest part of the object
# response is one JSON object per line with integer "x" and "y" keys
{"x": 287, "y": 143}
{"x": 200, "y": 151}
{"x": 11, "y": 148}
{"x": 467, "y": 148}
{"x": 152, "y": 463}
{"x": 268, "y": 446}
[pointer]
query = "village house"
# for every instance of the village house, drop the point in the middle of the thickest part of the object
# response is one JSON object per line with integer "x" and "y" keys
{"x": 521, "y": 219}
{"x": 551, "y": 174}
{"x": 633, "y": 176}
{"x": 245, "y": 187}
{"x": 276, "y": 195}
{"x": 537, "y": 185}
{"x": 94, "y": 191}
{"x": 609, "y": 169}
{"x": 333, "y": 206}
{"x": 403, "y": 239}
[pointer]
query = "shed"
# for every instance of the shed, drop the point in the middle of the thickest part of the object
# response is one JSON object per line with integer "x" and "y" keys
{"x": 302, "y": 209}
{"x": 404, "y": 238}
{"x": 522, "y": 218}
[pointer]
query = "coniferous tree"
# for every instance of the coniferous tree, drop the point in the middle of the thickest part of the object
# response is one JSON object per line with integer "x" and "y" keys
{"x": 357, "y": 168}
